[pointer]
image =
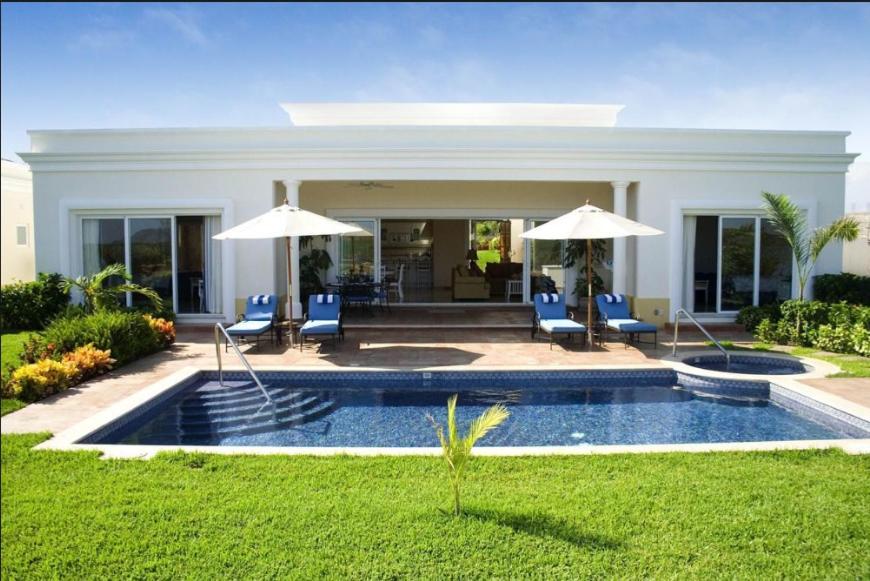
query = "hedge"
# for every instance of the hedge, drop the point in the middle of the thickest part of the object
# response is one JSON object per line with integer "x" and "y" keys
{"x": 834, "y": 288}
{"x": 30, "y": 306}
{"x": 837, "y": 327}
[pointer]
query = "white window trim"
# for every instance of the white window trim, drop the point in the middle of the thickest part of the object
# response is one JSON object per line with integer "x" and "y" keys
{"x": 74, "y": 209}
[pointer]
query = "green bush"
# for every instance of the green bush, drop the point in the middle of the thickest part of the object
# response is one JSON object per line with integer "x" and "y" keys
{"x": 833, "y": 288}
{"x": 750, "y": 316}
{"x": 836, "y": 327}
{"x": 127, "y": 334}
{"x": 28, "y": 306}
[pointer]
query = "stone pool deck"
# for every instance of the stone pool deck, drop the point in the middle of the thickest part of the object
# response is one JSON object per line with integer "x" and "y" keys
{"x": 370, "y": 348}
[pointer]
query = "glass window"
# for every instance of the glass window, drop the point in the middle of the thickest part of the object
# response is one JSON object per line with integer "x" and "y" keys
{"x": 774, "y": 282}
{"x": 102, "y": 243}
{"x": 738, "y": 263}
{"x": 21, "y": 235}
{"x": 151, "y": 256}
{"x": 546, "y": 261}
{"x": 358, "y": 252}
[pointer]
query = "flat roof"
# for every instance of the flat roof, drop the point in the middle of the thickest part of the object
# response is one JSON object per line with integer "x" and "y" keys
{"x": 452, "y": 114}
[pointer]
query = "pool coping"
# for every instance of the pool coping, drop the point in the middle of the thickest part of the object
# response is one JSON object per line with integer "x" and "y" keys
{"x": 69, "y": 439}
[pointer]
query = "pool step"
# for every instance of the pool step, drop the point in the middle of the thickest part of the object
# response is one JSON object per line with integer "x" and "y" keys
{"x": 198, "y": 407}
{"x": 232, "y": 417}
{"x": 204, "y": 430}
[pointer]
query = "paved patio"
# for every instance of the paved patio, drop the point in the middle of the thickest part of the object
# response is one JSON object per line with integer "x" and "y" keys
{"x": 431, "y": 348}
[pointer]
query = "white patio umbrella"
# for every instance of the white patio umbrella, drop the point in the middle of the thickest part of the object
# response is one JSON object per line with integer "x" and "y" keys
{"x": 587, "y": 223}
{"x": 283, "y": 222}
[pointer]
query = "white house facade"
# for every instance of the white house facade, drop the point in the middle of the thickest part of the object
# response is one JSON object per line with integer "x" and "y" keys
{"x": 16, "y": 212}
{"x": 419, "y": 178}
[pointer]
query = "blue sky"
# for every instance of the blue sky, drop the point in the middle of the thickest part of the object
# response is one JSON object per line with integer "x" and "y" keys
{"x": 798, "y": 66}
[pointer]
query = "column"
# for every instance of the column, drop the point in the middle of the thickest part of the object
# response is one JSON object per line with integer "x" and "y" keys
{"x": 620, "y": 207}
{"x": 292, "y": 187}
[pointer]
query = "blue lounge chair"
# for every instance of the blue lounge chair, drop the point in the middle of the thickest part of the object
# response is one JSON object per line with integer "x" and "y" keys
{"x": 552, "y": 317}
{"x": 613, "y": 312}
{"x": 324, "y": 318}
{"x": 261, "y": 314}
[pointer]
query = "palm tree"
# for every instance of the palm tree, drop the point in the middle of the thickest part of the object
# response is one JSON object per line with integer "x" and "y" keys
{"x": 98, "y": 292}
{"x": 457, "y": 451}
{"x": 791, "y": 223}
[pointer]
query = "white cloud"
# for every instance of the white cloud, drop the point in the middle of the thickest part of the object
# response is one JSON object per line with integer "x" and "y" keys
{"x": 184, "y": 21}
{"x": 103, "y": 39}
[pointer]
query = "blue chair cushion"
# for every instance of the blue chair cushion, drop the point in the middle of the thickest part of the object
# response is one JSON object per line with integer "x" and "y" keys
{"x": 324, "y": 327}
{"x": 323, "y": 311}
{"x": 267, "y": 312}
{"x": 551, "y": 311}
{"x": 612, "y": 310}
{"x": 552, "y": 326}
{"x": 250, "y": 328}
{"x": 631, "y": 326}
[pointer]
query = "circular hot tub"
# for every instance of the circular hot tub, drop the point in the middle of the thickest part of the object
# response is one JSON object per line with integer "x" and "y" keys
{"x": 749, "y": 364}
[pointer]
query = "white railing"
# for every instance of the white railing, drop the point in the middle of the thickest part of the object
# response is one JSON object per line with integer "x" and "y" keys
{"x": 218, "y": 330}
{"x": 703, "y": 330}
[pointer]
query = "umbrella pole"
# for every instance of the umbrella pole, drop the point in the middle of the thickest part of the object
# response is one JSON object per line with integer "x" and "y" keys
{"x": 289, "y": 287}
{"x": 589, "y": 291}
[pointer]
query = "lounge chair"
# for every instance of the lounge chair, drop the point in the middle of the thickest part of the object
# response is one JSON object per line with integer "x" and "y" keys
{"x": 613, "y": 312}
{"x": 261, "y": 314}
{"x": 552, "y": 317}
{"x": 324, "y": 318}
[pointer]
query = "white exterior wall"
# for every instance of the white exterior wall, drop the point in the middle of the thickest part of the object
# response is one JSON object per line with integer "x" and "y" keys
{"x": 16, "y": 195}
{"x": 234, "y": 170}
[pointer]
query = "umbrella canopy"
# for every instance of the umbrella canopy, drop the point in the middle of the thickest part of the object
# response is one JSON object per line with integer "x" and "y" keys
{"x": 587, "y": 223}
{"x": 283, "y": 222}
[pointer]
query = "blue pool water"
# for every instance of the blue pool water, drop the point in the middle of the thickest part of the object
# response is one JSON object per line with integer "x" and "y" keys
{"x": 750, "y": 364}
{"x": 390, "y": 411}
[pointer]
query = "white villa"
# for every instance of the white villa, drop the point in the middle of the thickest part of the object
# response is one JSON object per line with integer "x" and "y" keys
{"x": 419, "y": 178}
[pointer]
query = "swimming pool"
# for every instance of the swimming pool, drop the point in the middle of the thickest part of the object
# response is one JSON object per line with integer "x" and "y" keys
{"x": 749, "y": 364}
{"x": 389, "y": 410}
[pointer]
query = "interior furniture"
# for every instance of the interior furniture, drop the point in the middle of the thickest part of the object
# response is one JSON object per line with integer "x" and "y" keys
{"x": 466, "y": 286}
{"x": 512, "y": 287}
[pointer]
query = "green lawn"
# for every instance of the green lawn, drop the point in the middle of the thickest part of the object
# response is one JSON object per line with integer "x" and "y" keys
{"x": 11, "y": 346}
{"x": 486, "y": 256}
{"x": 731, "y": 515}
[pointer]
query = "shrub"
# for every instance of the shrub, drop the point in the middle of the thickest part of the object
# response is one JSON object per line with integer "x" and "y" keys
{"x": 750, "y": 316}
{"x": 164, "y": 329}
{"x": 32, "y": 305}
{"x": 38, "y": 380}
{"x": 89, "y": 361}
{"x": 833, "y": 288}
{"x": 128, "y": 335}
{"x": 837, "y": 327}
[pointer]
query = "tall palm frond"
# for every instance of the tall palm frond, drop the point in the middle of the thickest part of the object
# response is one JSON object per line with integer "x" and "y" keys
{"x": 98, "y": 292}
{"x": 456, "y": 450}
{"x": 842, "y": 230}
{"x": 791, "y": 222}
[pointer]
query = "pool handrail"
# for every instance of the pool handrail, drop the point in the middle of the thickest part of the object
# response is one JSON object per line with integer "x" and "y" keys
{"x": 703, "y": 330}
{"x": 218, "y": 329}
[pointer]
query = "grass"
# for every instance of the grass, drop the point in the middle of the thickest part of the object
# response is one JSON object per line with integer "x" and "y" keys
{"x": 851, "y": 365}
{"x": 11, "y": 347}
{"x": 750, "y": 515}
{"x": 486, "y": 256}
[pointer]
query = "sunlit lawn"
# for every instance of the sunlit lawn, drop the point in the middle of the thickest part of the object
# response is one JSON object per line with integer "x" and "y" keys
{"x": 726, "y": 515}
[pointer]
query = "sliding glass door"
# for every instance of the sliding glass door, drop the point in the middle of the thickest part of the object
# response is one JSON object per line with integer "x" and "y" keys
{"x": 737, "y": 282}
{"x": 174, "y": 255}
{"x": 731, "y": 262}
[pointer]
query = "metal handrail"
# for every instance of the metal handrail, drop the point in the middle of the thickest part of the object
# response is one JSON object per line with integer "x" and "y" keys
{"x": 703, "y": 330}
{"x": 218, "y": 329}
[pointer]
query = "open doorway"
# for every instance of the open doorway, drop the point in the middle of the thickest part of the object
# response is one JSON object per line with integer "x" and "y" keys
{"x": 453, "y": 260}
